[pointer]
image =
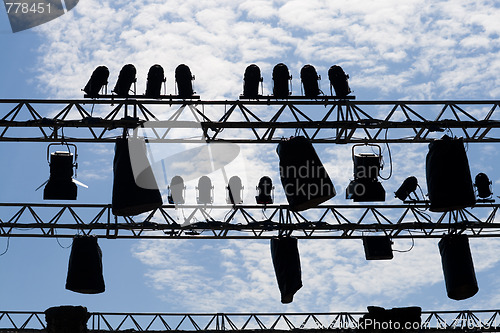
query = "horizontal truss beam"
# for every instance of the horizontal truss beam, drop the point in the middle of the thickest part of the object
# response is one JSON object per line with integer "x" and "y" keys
{"x": 249, "y": 121}
{"x": 246, "y": 221}
{"x": 468, "y": 320}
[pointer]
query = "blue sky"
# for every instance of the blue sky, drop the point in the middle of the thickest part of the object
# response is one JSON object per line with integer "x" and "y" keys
{"x": 393, "y": 50}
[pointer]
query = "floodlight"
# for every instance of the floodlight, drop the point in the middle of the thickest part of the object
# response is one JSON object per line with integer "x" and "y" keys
{"x": 483, "y": 185}
{"x": 286, "y": 262}
{"x": 377, "y": 247}
{"x": 98, "y": 79}
{"x": 365, "y": 186}
{"x": 304, "y": 179}
{"x": 310, "y": 78}
{"x": 448, "y": 176}
{"x": 183, "y": 77}
{"x": 133, "y": 193}
{"x": 251, "y": 81}
{"x": 234, "y": 191}
{"x": 409, "y": 186}
{"x": 458, "y": 267}
{"x": 61, "y": 185}
{"x": 176, "y": 191}
{"x": 338, "y": 80}
{"x": 85, "y": 266}
{"x": 205, "y": 191}
{"x": 125, "y": 80}
{"x": 265, "y": 191}
{"x": 281, "y": 79}
{"x": 156, "y": 79}
{"x": 66, "y": 319}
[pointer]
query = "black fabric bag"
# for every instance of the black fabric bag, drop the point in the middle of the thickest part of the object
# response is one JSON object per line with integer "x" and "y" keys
{"x": 286, "y": 262}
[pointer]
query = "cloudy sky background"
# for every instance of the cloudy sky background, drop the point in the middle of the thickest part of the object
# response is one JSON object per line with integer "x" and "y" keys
{"x": 393, "y": 50}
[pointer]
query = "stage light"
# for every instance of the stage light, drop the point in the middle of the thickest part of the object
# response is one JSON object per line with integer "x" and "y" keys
{"x": 458, "y": 267}
{"x": 365, "y": 186}
{"x": 483, "y": 185}
{"x": 409, "y": 186}
{"x": 305, "y": 181}
{"x": 85, "y": 266}
{"x": 205, "y": 191}
{"x": 286, "y": 262}
{"x": 448, "y": 176}
{"x": 184, "y": 78}
{"x": 234, "y": 191}
{"x": 125, "y": 80}
{"x": 377, "y": 247}
{"x": 339, "y": 81}
{"x": 156, "y": 78}
{"x": 310, "y": 78}
{"x": 176, "y": 191}
{"x": 98, "y": 79}
{"x": 392, "y": 320}
{"x": 61, "y": 185}
{"x": 265, "y": 191}
{"x": 133, "y": 193}
{"x": 281, "y": 79}
{"x": 251, "y": 80}
{"x": 67, "y": 319}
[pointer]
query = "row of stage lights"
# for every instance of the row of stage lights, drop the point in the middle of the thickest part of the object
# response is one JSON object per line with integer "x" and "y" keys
{"x": 448, "y": 180}
{"x": 252, "y": 79}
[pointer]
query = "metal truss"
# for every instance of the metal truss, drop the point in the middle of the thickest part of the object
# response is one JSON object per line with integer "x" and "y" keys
{"x": 249, "y": 121}
{"x": 469, "y": 320}
{"x": 246, "y": 222}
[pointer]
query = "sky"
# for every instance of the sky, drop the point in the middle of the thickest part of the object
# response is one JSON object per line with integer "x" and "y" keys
{"x": 392, "y": 50}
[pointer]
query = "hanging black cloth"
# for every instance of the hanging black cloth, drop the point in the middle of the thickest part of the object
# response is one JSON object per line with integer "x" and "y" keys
{"x": 286, "y": 262}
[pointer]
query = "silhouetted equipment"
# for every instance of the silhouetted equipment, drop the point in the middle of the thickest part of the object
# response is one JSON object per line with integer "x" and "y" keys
{"x": 377, "y": 247}
{"x": 251, "y": 80}
{"x": 85, "y": 266}
{"x": 184, "y": 79}
{"x": 205, "y": 191}
{"x": 156, "y": 78}
{"x": 234, "y": 191}
{"x": 339, "y": 81}
{"x": 407, "y": 319}
{"x": 281, "y": 79}
{"x": 176, "y": 191}
{"x": 286, "y": 262}
{"x": 133, "y": 193}
{"x": 265, "y": 191}
{"x": 125, "y": 80}
{"x": 458, "y": 267}
{"x": 98, "y": 79}
{"x": 483, "y": 185}
{"x": 365, "y": 186}
{"x": 448, "y": 176}
{"x": 409, "y": 186}
{"x": 67, "y": 319}
{"x": 61, "y": 185}
{"x": 310, "y": 79}
{"x": 304, "y": 179}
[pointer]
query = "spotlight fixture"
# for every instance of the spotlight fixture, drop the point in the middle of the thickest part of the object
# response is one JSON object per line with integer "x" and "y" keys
{"x": 66, "y": 318}
{"x": 156, "y": 79}
{"x": 304, "y": 179}
{"x": 281, "y": 79}
{"x": 310, "y": 78}
{"x": 251, "y": 80}
{"x": 184, "y": 79}
{"x": 98, "y": 79}
{"x": 234, "y": 191}
{"x": 61, "y": 184}
{"x": 458, "y": 267}
{"x": 205, "y": 191}
{"x": 483, "y": 186}
{"x": 85, "y": 266}
{"x": 409, "y": 186}
{"x": 338, "y": 80}
{"x": 125, "y": 80}
{"x": 286, "y": 262}
{"x": 448, "y": 176}
{"x": 377, "y": 247}
{"x": 176, "y": 191}
{"x": 135, "y": 190}
{"x": 365, "y": 186}
{"x": 265, "y": 191}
